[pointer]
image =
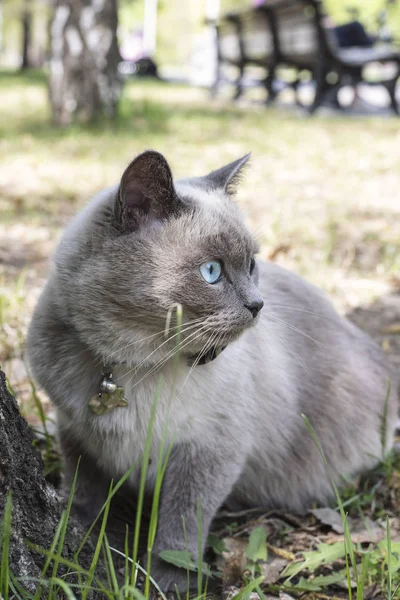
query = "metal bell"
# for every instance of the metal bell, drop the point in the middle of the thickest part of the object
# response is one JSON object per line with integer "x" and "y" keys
{"x": 107, "y": 386}
{"x": 109, "y": 396}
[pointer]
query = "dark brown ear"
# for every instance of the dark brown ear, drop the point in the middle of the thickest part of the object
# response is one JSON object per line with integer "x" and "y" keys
{"x": 146, "y": 192}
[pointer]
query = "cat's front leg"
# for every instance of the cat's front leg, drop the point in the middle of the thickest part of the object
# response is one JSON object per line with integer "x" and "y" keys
{"x": 91, "y": 485}
{"x": 195, "y": 475}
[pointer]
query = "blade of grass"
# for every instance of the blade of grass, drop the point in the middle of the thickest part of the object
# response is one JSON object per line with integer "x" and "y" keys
{"x": 250, "y": 587}
{"x": 131, "y": 591}
{"x": 49, "y": 558}
{"x": 6, "y": 534}
{"x": 109, "y": 561}
{"x": 40, "y": 410}
{"x": 140, "y": 568}
{"x": 63, "y": 529}
{"x": 72, "y": 586}
{"x": 199, "y": 548}
{"x": 161, "y": 468}
{"x": 260, "y": 593}
{"x": 365, "y": 568}
{"x": 384, "y": 420}
{"x": 103, "y": 508}
{"x": 14, "y": 584}
{"x": 187, "y": 569}
{"x": 76, "y": 568}
{"x": 126, "y": 547}
{"x": 389, "y": 559}
{"x": 96, "y": 554}
{"x": 142, "y": 483}
{"x": 65, "y": 588}
{"x": 106, "y": 566}
{"x": 162, "y": 461}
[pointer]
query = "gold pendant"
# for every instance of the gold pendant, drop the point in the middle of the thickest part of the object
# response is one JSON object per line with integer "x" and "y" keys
{"x": 110, "y": 396}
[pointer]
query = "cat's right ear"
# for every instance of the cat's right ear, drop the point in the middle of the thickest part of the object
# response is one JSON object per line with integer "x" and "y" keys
{"x": 227, "y": 178}
{"x": 146, "y": 192}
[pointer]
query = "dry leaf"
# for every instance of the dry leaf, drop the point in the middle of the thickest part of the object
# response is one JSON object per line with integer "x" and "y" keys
{"x": 273, "y": 569}
{"x": 289, "y": 556}
{"x": 233, "y": 561}
{"x": 328, "y": 516}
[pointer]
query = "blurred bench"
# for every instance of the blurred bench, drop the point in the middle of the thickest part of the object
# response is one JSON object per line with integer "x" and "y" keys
{"x": 245, "y": 39}
{"x": 292, "y": 33}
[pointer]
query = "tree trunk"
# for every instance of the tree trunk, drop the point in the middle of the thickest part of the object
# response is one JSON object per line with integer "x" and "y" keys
{"x": 84, "y": 79}
{"x": 36, "y": 506}
{"x": 26, "y": 37}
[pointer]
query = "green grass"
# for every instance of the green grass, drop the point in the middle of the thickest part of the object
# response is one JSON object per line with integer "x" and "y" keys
{"x": 322, "y": 194}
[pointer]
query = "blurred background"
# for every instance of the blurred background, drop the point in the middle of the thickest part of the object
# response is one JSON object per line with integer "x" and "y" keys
{"x": 84, "y": 86}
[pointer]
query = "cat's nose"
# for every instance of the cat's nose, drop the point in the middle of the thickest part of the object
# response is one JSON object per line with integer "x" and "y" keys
{"x": 255, "y": 307}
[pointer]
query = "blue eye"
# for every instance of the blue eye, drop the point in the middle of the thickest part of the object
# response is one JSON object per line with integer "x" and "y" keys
{"x": 211, "y": 271}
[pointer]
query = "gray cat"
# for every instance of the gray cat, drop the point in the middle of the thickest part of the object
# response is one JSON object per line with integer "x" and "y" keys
{"x": 244, "y": 375}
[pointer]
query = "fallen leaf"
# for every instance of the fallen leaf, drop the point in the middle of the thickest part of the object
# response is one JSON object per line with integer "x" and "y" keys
{"x": 289, "y": 556}
{"x": 325, "y": 554}
{"x": 365, "y": 530}
{"x": 233, "y": 560}
{"x": 257, "y": 547}
{"x": 272, "y": 570}
{"x": 184, "y": 560}
{"x": 329, "y": 516}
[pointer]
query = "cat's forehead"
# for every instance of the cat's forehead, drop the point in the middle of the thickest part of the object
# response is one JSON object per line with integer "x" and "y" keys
{"x": 217, "y": 222}
{"x": 191, "y": 190}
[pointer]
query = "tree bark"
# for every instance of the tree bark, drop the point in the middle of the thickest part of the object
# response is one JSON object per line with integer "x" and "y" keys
{"x": 84, "y": 79}
{"x": 36, "y": 506}
{"x": 26, "y": 37}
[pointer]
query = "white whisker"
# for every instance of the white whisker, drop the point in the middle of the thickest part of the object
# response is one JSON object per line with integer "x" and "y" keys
{"x": 170, "y": 354}
{"x": 293, "y": 353}
{"x": 203, "y": 351}
{"x": 309, "y": 312}
{"x": 137, "y": 367}
{"x": 153, "y": 335}
{"x": 297, "y": 330}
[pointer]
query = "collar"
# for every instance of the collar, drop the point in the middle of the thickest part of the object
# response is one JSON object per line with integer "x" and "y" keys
{"x": 111, "y": 395}
{"x": 202, "y": 358}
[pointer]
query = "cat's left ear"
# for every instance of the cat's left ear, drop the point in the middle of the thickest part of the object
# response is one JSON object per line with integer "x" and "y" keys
{"x": 146, "y": 192}
{"x": 227, "y": 178}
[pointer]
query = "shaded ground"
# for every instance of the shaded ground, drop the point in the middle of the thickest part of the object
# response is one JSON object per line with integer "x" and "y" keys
{"x": 323, "y": 195}
{"x": 382, "y": 321}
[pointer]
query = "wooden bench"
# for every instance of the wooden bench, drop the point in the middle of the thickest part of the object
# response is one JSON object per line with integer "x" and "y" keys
{"x": 305, "y": 42}
{"x": 292, "y": 33}
{"x": 245, "y": 39}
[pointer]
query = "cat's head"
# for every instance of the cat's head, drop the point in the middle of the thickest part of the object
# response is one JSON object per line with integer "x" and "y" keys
{"x": 157, "y": 244}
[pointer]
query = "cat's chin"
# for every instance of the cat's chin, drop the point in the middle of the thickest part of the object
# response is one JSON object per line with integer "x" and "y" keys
{"x": 223, "y": 339}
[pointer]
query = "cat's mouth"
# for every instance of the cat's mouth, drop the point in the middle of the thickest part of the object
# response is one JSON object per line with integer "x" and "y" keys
{"x": 212, "y": 344}
{"x": 202, "y": 358}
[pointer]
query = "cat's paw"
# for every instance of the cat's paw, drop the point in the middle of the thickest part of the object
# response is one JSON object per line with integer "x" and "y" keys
{"x": 170, "y": 578}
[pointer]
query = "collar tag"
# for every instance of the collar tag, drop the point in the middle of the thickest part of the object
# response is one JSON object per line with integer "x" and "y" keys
{"x": 109, "y": 396}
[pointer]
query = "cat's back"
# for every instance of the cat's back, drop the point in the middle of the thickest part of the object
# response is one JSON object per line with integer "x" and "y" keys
{"x": 325, "y": 368}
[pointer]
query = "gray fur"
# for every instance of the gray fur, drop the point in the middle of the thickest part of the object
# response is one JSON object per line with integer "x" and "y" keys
{"x": 236, "y": 422}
